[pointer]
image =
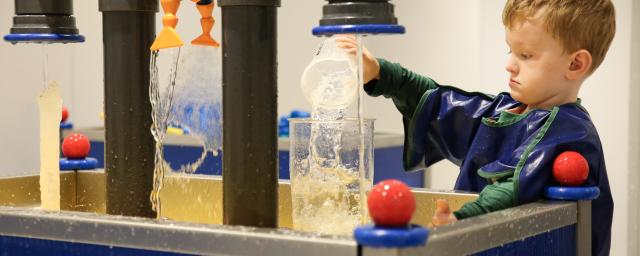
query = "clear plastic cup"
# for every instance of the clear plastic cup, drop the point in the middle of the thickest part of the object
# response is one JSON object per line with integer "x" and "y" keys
{"x": 328, "y": 183}
{"x": 329, "y": 81}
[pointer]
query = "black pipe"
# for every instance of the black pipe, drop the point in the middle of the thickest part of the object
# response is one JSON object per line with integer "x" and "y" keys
{"x": 249, "y": 91}
{"x": 352, "y": 12}
{"x": 128, "y": 30}
{"x": 44, "y": 17}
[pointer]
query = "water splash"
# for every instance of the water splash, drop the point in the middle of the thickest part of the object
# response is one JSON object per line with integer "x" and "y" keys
{"x": 198, "y": 99}
{"x": 331, "y": 181}
{"x": 190, "y": 101}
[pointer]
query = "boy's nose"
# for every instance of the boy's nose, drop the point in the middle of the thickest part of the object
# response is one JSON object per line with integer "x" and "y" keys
{"x": 511, "y": 66}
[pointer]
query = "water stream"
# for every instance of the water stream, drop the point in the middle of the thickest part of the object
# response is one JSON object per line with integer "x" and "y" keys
{"x": 45, "y": 65}
{"x": 161, "y": 99}
{"x": 365, "y": 182}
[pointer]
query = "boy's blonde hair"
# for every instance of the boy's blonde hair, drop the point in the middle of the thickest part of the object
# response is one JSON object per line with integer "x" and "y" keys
{"x": 578, "y": 24}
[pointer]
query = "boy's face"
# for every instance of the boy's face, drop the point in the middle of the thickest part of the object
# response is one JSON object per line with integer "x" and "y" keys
{"x": 537, "y": 65}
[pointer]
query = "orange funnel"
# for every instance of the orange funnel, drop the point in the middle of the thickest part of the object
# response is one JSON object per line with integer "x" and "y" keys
{"x": 206, "y": 22}
{"x": 168, "y": 37}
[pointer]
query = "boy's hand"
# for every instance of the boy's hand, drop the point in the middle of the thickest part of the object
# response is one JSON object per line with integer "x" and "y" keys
{"x": 443, "y": 214}
{"x": 371, "y": 67}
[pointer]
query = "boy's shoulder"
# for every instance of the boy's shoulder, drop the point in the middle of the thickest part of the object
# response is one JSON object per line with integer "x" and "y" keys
{"x": 571, "y": 126}
{"x": 574, "y": 112}
{"x": 573, "y": 118}
{"x": 573, "y": 115}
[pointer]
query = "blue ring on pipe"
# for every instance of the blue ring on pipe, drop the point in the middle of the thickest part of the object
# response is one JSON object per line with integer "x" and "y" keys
{"x": 66, "y": 125}
{"x": 389, "y": 237}
{"x": 44, "y": 38}
{"x": 572, "y": 193}
{"x": 87, "y": 163}
{"x": 358, "y": 29}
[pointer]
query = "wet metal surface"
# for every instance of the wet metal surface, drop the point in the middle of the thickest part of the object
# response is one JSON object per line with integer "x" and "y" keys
{"x": 495, "y": 229}
{"x": 168, "y": 236}
{"x": 205, "y": 236}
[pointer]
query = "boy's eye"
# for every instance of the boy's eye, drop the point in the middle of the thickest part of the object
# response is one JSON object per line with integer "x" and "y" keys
{"x": 525, "y": 56}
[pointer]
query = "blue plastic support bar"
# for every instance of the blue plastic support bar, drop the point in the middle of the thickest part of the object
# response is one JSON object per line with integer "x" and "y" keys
{"x": 88, "y": 163}
{"x": 358, "y": 29}
{"x": 572, "y": 193}
{"x": 66, "y": 125}
{"x": 388, "y": 237}
{"x": 43, "y": 38}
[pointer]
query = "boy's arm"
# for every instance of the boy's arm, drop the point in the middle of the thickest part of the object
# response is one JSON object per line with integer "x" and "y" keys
{"x": 439, "y": 121}
{"x": 494, "y": 197}
{"x": 403, "y": 86}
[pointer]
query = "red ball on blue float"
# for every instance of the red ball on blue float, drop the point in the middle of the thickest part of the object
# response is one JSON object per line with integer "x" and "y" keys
{"x": 570, "y": 168}
{"x": 76, "y": 146}
{"x": 391, "y": 204}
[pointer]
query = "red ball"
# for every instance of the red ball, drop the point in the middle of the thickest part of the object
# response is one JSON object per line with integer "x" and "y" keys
{"x": 391, "y": 204}
{"x": 65, "y": 114}
{"x": 76, "y": 146}
{"x": 570, "y": 168}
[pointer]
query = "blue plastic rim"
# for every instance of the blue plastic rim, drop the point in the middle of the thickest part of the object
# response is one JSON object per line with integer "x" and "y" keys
{"x": 358, "y": 29}
{"x": 283, "y": 124}
{"x": 387, "y": 237}
{"x": 88, "y": 163}
{"x": 572, "y": 193}
{"x": 43, "y": 38}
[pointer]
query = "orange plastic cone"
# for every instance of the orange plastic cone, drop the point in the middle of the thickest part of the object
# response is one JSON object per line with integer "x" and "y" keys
{"x": 206, "y": 22}
{"x": 168, "y": 37}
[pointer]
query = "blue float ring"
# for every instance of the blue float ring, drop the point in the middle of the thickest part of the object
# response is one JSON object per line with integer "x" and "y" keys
{"x": 386, "y": 237}
{"x": 41, "y": 38}
{"x": 358, "y": 29}
{"x": 87, "y": 163}
{"x": 572, "y": 193}
{"x": 66, "y": 125}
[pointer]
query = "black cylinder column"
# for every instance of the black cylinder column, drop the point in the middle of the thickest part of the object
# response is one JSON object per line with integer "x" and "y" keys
{"x": 349, "y": 12}
{"x": 128, "y": 29}
{"x": 249, "y": 89}
{"x": 44, "y": 17}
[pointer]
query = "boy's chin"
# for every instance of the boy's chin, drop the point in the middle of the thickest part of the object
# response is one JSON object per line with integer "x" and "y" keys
{"x": 516, "y": 95}
{"x": 519, "y": 97}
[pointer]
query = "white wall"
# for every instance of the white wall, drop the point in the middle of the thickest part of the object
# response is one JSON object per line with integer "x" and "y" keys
{"x": 634, "y": 136}
{"x": 457, "y": 42}
{"x": 607, "y": 95}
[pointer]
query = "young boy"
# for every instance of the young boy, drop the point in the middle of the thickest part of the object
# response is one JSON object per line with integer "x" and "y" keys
{"x": 505, "y": 145}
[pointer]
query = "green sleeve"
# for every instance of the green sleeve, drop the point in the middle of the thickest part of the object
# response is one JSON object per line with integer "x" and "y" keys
{"x": 404, "y": 87}
{"x": 494, "y": 197}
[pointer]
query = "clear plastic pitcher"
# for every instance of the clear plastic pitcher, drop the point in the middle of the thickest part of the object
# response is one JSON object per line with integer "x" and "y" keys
{"x": 329, "y": 81}
{"x": 328, "y": 183}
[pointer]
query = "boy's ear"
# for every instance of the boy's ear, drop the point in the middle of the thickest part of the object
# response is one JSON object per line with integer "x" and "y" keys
{"x": 580, "y": 66}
